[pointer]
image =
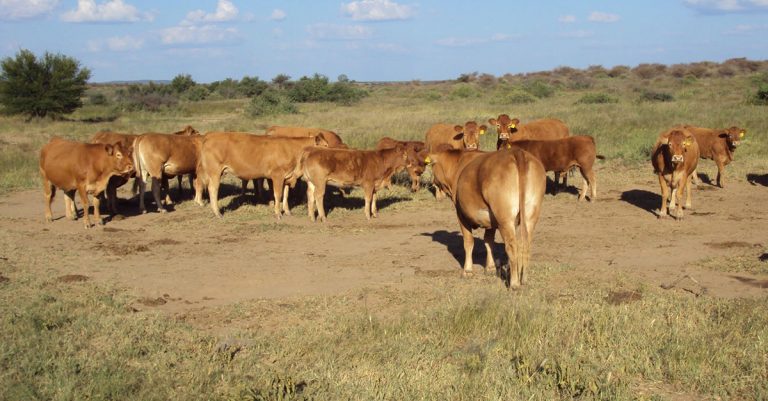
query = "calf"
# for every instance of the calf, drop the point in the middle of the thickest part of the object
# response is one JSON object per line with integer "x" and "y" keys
{"x": 85, "y": 168}
{"x": 250, "y": 157}
{"x": 498, "y": 190}
{"x": 718, "y": 145}
{"x": 457, "y": 137}
{"x": 415, "y": 151}
{"x": 117, "y": 181}
{"x": 369, "y": 169}
{"x": 562, "y": 154}
{"x": 674, "y": 158}
{"x": 161, "y": 155}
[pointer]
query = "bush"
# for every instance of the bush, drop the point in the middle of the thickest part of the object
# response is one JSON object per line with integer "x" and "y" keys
{"x": 464, "y": 91}
{"x": 98, "y": 99}
{"x": 345, "y": 93}
{"x": 252, "y": 86}
{"x": 270, "y": 102}
{"x": 539, "y": 88}
{"x": 651, "y": 96}
{"x": 307, "y": 89}
{"x": 618, "y": 71}
{"x": 197, "y": 93}
{"x": 50, "y": 86}
{"x": 580, "y": 82}
{"x": 761, "y": 96}
{"x": 182, "y": 83}
{"x": 150, "y": 101}
{"x": 648, "y": 71}
{"x": 597, "y": 98}
{"x": 486, "y": 80}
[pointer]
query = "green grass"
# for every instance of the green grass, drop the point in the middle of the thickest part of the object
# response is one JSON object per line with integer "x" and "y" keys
{"x": 86, "y": 341}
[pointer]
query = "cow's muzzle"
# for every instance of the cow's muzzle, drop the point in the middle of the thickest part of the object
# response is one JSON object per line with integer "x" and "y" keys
{"x": 736, "y": 143}
{"x": 677, "y": 158}
{"x": 472, "y": 146}
{"x": 504, "y": 136}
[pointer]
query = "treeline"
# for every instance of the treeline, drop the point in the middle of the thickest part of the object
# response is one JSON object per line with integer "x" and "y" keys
{"x": 276, "y": 97}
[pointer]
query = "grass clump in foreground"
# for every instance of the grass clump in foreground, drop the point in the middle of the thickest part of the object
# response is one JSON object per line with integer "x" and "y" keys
{"x": 472, "y": 340}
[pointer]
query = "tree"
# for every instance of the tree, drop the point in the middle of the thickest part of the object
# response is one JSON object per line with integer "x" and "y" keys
{"x": 280, "y": 80}
{"x": 182, "y": 83}
{"x": 50, "y": 86}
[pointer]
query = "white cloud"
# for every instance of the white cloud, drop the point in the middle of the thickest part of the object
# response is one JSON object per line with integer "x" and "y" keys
{"x": 206, "y": 34}
{"x": 567, "y": 19}
{"x": 225, "y": 11}
{"x": 116, "y": 44}
{"x": 597, "y": 16}
{"x": 339, "y": 32}
{"x": 24, "y": 9}
{"x": 727, "y": 6}
{"x": 376, "y": 10}
{"x": 277, "y": 15}
{"x": 462, "y": 42}
{"x": 108, "y": 11}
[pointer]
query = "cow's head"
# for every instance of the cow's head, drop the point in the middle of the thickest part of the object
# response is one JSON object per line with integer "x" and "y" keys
{"x": 187, "y": 131}
{"x": 123, "y": 162}
{"x": 505, "y": 126}
{"x": 678, "y": 142}
{"x": 470, "y": 134}
{"x": 733, "y": 136}
{"x": 417, "y": 158}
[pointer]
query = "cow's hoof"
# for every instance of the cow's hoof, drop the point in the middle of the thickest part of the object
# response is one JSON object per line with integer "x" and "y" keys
{"x": 162, "y": 210}
{"x": 467, "y": 273}
{"x": 490, "y": 270}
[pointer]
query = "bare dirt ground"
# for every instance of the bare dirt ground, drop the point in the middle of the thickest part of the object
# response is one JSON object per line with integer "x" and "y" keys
{"x": 188, "y": 260}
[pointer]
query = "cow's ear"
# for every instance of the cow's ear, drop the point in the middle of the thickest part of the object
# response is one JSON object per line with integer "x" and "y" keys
{"x": 458, "y": 136}
{"x": 493, "y": 121}
{"x": 320, "y": 141}
{"x": 458, "y": 128}
{"x": 482, "y": 129}
{"x": 109, "y": 149}
{"x": 664, "y": 140}
{"x": 723, "y": 135}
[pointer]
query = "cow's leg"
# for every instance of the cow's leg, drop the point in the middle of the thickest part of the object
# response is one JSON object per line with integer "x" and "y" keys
{"x": 191, "y": 178}
{"x": 96, "y": 211}
{"x": 142, "y": 191}
{"x": 695, "y": 177}
{"x": 592, "y": 185}
{"x": 414, "y": 180}
{"x": 368, "y": 195}
{"x": 320, "y": 199}
{"x": 166, "y": 190}
{"x": 516, "y": 273}
{"x": 49, "y": 191}
{"x": 688, "y": 186}
{"x": 374, "y": 209}
{"x": 469, "y": 245}
{"x": 664, "y": 196}
{"x": 556, "y": 187}
{"x": 244, "y": 186}
{"x": 213, "y": 193}
{"x": 488, "y": 238}
{"x": 84, "y": 200}
{"x": 198, "y": 185}
{"x": 311, "y": 200}
{"x": 720, "y": 172}
{"x": 277, "y": 188}
{"x": 156, "y": 184}
{"x": 439, "y": 194}
{"x": 286, "y": 208}
{"x": 180, "y": 181}
{"x": 112, "y": 196}
{"x": 565, "y": 178}
{"x": 69, "y": 205}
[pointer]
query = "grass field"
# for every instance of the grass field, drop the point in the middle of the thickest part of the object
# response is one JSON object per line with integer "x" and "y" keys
{"x": 65, "y": 339}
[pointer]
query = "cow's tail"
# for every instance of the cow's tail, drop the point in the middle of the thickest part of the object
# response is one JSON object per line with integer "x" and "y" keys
{"x": 138, "y": 161}
{"x": 523, "y": 242}
{"x": 298, "y": 169}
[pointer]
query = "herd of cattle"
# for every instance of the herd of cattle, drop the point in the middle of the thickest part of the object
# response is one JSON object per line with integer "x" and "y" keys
{"x": 500, "y": 190}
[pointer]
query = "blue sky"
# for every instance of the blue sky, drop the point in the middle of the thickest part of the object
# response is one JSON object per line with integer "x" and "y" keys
{"x": 378, "y": 40}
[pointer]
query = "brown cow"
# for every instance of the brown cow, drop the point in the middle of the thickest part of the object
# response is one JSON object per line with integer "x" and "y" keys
{"x": 498, "y": 190}
{"x": 457, "y": 137}
{"x": 250, "y": 157}
{"x": 330, "y": 137}
{"x": 674, "y": 158}
{"x": 414, "y": 148}
{"x": 126, "y": 141}
{"x": 85, "y": 168}
{"x": 717, "y": 145}
{"x": 369, "y": 169}
{"x": 562, "y": 154}
{"x": 161, "y": 155}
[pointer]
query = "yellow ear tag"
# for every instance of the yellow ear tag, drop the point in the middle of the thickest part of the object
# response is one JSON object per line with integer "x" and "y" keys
{"x": 482, "y": 132}
{"x": 427, "y": 160}
{"x": 687, "y": 142}
{"x": 512, "y": 126}
{"x": 509, "y": 146}
{"x": 741, "y": 134}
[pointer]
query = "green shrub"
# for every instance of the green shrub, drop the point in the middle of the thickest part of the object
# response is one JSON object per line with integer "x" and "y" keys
{"x": 652, "y": 96}
{"x": 597, "y": 98}
{"x": 344, "y": 93}
{"x": 98, "y": 99}
{"x": 761, "y": 96}
{"x": 464, "y": 91}
{"x": 197, "y": 93}
{"x": 539, "y": 88}
{"x": 270, "y": 102}
{"x": 432, "y": 95}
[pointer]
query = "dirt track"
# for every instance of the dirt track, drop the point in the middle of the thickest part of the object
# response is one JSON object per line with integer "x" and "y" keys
{"x": 188, "y": 259}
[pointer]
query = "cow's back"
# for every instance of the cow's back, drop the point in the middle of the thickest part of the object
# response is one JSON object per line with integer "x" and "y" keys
{"x": 543, "y": 129}
{"x": 109, "y": 137}
{"x": 709, "y": 142}
{"x": 333, "y": 139}
{"x": 248, "y": 154}
{"x": 561, "y": 154}
{"x": 65, "y": 163}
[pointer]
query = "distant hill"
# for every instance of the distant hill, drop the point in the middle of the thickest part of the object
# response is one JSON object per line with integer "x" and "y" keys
{"x": 138, "y": 81}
